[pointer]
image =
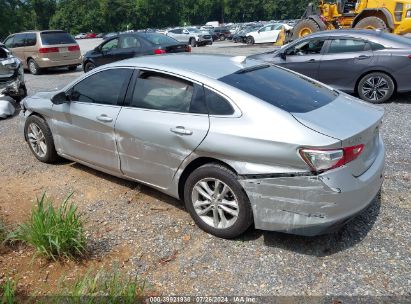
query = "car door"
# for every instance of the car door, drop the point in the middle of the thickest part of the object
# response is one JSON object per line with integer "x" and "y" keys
{"x": 344, "y": 61}
{"x": 130, "y": 46}
{"x": 164, "y": 121}
{"x": 304, "y": 57}
{"x": 30, "y": 49}
{"x": 108, "y": 52}
{"x": 262, "y": 34}
{"x": 84, "y": 127}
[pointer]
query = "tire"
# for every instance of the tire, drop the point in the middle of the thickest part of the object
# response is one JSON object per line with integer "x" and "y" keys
{"x": 304, "y": 28}
{"x": 250, "y": 40}
{"x": 192, "y": 42}
{"x": 89, "y": 66}
{"x": 36, "y": 130}
{"x": 222, "y": 37}
{"x": 72, "y": 68}
{"x": 376, "y": 87}
{"x": 33, "y": 67}
{"x": 236, "y": 210}
{"x": 372, "y": 23}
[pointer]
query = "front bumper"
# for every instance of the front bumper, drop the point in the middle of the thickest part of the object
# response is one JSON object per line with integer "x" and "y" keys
{"x": 313, "y": 205}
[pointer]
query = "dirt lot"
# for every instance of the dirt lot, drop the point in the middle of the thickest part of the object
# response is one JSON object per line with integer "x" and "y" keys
{"x": 150, "y": 234}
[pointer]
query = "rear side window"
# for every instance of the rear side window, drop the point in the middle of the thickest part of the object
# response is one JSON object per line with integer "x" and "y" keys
{"x": 159, "y": 39}
{"x": 128, "y": 42}
{"x": 31, "y": 39}
{"x": 50, "y": 38}
{"x": 217, "y": 105}
{"x": 102, "y": 88}
{"x": 281, "y": 88}
{"x": 346, "y": 46}
{"x": 158, "y": 91}
{"x": 19, "y": 40}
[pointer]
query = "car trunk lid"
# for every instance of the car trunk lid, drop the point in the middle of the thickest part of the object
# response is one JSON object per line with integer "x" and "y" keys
{"x": 58, "y": 46}
{"x": 353, "y": 122}
{"x": 176, "y": 48}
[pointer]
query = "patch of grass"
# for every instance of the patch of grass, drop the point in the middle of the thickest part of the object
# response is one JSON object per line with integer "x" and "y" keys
{"x": 3, "y": 232}
{"x": 106, "y": 287}
{"x": 54, "y": 233}
{"x": 8, "y": 292}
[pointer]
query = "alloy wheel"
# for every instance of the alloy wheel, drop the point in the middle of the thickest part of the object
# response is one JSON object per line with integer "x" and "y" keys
{"x": 215, "y": 203}
{"x": 375, "y": 88}
{"x": 37, "y": 140}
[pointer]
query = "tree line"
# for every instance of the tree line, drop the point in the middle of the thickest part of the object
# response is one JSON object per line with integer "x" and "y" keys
{"x": 77, "y": 16}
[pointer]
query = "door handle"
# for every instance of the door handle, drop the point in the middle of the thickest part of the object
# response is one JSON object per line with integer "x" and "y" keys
{"x": 181, "y": 130}
{"x": 362, "y": 57}
{"x": 104, "y": 118}
{"x": 312, "y": 61}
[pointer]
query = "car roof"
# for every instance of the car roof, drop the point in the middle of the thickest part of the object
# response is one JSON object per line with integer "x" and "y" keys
{"x": 211, "y": 66}
{"x": 346, "y": 32}
{"x": 37, "y": 31}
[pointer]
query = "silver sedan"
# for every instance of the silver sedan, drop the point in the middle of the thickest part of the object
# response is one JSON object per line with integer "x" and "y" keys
{"x": 240, "y": 141}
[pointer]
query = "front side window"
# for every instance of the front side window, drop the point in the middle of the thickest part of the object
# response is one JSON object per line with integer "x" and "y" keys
{"x": 158, "y": 91}
{"x": 9, "y": 42}
{"x": 346, "y": 46}
{"x": 104, "y": 87}
{"x": 110, "y": 45}
{"x": 310, "y": 47}
{"x": 281, "y": 88}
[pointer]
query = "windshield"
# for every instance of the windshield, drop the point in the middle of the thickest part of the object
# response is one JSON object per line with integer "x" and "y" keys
{"x": 159, "y": 39}
{"x": 281, "y": 88}
{"x": 193, "y": 30}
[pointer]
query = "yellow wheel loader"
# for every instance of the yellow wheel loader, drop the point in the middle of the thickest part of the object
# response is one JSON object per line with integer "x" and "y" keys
{"x": 393, "y": 16}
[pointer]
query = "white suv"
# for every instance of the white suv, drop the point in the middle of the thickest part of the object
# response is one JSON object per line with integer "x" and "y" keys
{"x": 191, "y": 35}
{"x": 267, "y": 34}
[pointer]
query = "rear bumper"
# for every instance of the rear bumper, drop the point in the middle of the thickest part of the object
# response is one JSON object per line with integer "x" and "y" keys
{"x": 48, "y": 63}
{"x": 313, "y": 205}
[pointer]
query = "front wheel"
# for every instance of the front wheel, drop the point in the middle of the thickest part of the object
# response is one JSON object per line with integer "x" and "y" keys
{"x": 376, "y": 87}
{"x": 40, "y": 139}
{"x": 250, "y": 40}
{"x": 89, "y": 66}
{"x": 33, "y": 67}
{"x": 217, "y": 202}
{"x": 193, "y": 42}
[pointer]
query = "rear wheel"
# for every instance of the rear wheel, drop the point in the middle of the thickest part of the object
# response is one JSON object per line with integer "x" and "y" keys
{"x": 222, "y": 37}
{"x": 33, "y": 67}
{"x": 89, "y": 66}
{"x": 376, "y": 87}
{"x": 372, "y": 23}
{"x": 217, "y": 202}
{"x": 304, "y": 28}
{"x": 40, "y": 139}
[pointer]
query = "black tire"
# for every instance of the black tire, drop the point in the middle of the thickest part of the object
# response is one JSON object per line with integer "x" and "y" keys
{"x": 89, "y": 66}
{"x": 304, "y": 28}
{"x": 376, "y": 87}
{"x": 51, "y": 155}
{"x": 33, "y": 67}
{"x": 250, "y": 40}
{"x": 193, "y": 42}
{"x": 216, "y": 171}
{"x": 222, "y": 37}
{"x": 372, "y": 23}
{"x": 72, "y": 68}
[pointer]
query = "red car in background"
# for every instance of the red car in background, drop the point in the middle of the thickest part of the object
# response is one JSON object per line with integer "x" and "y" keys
{"x": 90, "y": 35}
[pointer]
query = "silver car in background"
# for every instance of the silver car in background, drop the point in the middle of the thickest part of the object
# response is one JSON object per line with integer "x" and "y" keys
{"x": 240, "y": 141}
{"x": 191, "y": 35}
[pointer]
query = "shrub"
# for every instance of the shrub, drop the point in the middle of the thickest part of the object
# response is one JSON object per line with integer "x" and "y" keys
{"x": 54, "y": 233}
{"x": 3, "y": 232}
{"x": 105, "y": 287}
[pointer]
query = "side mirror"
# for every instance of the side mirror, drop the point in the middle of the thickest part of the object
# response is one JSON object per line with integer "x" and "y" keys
{"x": 60, "y": 98}
{"x": 97, "y": 49}
{"x": 282, "y": 55}
{"x": 259, "y": 31}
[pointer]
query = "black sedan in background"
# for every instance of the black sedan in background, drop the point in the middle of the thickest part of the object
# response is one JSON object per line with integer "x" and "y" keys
{"x": 130, "y": 45}
{"x": 373, "y": 64}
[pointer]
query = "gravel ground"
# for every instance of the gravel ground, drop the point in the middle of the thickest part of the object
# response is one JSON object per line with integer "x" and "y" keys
{"x": 155, "y": 237}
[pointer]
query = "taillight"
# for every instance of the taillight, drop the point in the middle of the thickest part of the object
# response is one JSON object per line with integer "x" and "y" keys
{"x": 409, "y": 56}
{"x": 48, "y": 50}
{"x": 159, "y": 52}
{"x": 188, "y": 48}
{"x": 74, "y": 48}
{"x": 322, "y": 160}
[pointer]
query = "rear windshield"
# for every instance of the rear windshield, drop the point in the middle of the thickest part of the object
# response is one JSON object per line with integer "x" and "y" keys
{"x": 49, "y": 38}
{"x": 281, "y": 88}
{"x": 159, "y": 39}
